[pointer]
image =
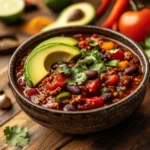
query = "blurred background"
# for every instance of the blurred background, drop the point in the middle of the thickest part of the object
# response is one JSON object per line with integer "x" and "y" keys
{"x": 20, "y": 19}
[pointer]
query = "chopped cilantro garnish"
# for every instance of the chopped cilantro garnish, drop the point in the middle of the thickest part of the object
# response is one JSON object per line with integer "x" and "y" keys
{"x": 104, "y": 89}
{"x": 99, "y": 67}
{"x": 94, "y": 44}
{"x": 112, "y": 63}
{"x": 64, "y": 70}
{"x": 16, "y": 136}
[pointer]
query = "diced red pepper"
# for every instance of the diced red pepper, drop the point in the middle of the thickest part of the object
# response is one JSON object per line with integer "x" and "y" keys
{"x": 31, "y": 92}
{"x": 83, "y": 44}
{"x": 91, "y": 103}
{"x": 92, "y": 86}
{"x": 58, "y": 81}
{"x": 119, "y": 55}
{"x": 112, "y": 79}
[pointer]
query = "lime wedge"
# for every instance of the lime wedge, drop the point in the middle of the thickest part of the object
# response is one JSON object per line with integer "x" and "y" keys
{"x": 11, "y": 10}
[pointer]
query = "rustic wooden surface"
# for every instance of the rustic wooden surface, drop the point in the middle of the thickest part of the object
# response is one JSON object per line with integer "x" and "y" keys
{"x": 134, "y": 133}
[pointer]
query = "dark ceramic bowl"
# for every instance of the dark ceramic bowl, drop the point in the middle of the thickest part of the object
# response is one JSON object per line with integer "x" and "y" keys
{"x": 81, "y": 122}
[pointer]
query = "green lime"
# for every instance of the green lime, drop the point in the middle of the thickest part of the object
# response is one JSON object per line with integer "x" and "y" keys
{"x": 11, "y": 10}
{"x": 57, "y": 5}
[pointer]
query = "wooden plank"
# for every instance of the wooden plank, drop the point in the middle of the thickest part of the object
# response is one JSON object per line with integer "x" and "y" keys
{"x": 41, "y": 138}
{"x": 6, "y": 115}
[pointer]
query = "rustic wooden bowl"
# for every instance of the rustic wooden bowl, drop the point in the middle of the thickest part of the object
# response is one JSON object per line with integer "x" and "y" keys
{"x": 81, "y": 122}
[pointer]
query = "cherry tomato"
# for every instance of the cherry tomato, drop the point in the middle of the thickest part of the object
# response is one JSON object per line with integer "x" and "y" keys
{"x": 135, "y": 24}
{"x": 112, "y": 79}
{"x": 91, "y": 103}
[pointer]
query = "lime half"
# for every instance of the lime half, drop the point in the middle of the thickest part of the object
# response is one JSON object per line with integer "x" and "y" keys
{"x": 11, "y": 10}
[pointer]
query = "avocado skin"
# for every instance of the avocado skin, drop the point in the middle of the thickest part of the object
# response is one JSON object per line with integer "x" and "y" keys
{"x": 57, "y": 6}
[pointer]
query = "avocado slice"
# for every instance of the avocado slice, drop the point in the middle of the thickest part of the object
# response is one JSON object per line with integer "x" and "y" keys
{"x": 77, "y": 14}
{"x": 37, "y": 66}
{"x": 59, "y": 39}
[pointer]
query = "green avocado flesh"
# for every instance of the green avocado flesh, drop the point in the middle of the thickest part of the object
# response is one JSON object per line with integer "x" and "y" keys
{"x": 61, "y": 39}
{"x": 84, "y": 11}
{"x": 37, "y": 65}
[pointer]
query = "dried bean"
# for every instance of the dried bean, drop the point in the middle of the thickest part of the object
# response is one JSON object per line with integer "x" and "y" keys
{"x": 74, "y": 89}
{"x": 91, "y": 74}
{"x": 131, "y": 70}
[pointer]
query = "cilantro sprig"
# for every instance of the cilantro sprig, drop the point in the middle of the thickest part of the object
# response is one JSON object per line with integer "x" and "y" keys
{"x": 16, "y": 136}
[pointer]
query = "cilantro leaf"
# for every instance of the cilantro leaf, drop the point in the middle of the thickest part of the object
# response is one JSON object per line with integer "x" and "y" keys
{"x": 112, "y": 63}
{"x": 80, "y": 78}
{"x": 64, "y": 70}
{"x": 94, "y": 44}
{"x": 16, "y": 136}
{"x": 99, "y": 67}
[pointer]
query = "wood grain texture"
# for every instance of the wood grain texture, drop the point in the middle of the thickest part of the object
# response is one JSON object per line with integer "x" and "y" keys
{"x": 6, "y": 115}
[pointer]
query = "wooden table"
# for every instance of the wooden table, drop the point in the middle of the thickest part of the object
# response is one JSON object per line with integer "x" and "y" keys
{"x": 134, "y": 133}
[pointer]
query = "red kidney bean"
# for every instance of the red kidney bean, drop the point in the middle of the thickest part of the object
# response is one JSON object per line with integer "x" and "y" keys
{"x": 91, "y": 74}
{"x": 74, "y": 89}
{"x": 107, "y": 96}
{"x": 54, "y": 66}
{"x": 131, "y": 70}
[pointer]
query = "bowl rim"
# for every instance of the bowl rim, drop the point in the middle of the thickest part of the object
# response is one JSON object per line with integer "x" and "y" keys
{"x": 121, "y": 102}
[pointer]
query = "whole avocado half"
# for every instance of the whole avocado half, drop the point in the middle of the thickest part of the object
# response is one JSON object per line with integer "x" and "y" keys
{"x": 56, "y": 5}
{"x": 81, "y": 13}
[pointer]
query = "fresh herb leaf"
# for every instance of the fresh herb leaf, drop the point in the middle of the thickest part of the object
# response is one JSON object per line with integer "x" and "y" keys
{"x": 99, "y": 67}
{"x": 80, "y": 78}
{"x": 64, "y": 70}
{"x": 84, "y": 52}
{"x": 16, "y": 136}
{"x": 82, "y": 64}
{"x": 112, "y": 63}
{"x": 71, "y": 81}
{"x": 94, "y": 44}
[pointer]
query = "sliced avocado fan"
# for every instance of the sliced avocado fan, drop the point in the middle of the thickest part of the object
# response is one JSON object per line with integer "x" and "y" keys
{"x": 77, "y": 14}
{"x": 37, "y": 66}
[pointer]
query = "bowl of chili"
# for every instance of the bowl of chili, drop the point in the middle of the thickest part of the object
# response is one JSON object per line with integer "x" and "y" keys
{"x": 98, "y": 89}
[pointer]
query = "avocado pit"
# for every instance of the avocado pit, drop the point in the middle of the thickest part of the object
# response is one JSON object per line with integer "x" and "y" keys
{"x": 76, "y": 14}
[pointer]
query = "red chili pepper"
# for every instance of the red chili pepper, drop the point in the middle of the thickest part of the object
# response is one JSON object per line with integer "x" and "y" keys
{"x": 135, "y": 24}
{"x": 91, "y": 103}
{"x": 102, "y": 7}
{"x": 112, "y": 79}
{"x": 119, "y": 7}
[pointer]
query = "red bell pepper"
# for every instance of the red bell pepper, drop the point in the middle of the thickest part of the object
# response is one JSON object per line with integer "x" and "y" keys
{"x": 112, "y": 79}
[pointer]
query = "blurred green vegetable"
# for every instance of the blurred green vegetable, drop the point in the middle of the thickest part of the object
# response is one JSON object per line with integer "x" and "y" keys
{"x": 56, "y": 5}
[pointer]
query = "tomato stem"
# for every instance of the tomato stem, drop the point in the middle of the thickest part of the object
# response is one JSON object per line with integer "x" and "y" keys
{"x": 133, "y": 5}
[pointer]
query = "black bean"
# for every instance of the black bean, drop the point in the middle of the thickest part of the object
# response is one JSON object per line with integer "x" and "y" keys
{"x": 69, "y": 107}
{"x": 107, "y": 96}
{"x": 54, "y": 66}
{"x": 74, "y": 89}
{"x": 91, "y": 74}
{"x": 131, "y": 70}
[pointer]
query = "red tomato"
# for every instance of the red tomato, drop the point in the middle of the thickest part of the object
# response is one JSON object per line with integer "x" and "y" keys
{"x": 31, "y": 92}
{"x": 58, "y": 81}
{"x": 135, "y": 24}
{"x": 112, "y": 79}
{"x": 91, "y": 103}
{"x": 92, "y": 86}
{"x": 119, "y": 55}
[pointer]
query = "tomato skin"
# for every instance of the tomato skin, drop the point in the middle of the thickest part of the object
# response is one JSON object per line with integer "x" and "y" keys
{"x": 92, "y": 86}
{"x": 58, "y": 81}
{"x": 91, "y": 103}
{"x": 119, "y": 55}
{"x": 135, "y": 24}
{"x": 112, "y": 79}
{"x": 31, "y": 92}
